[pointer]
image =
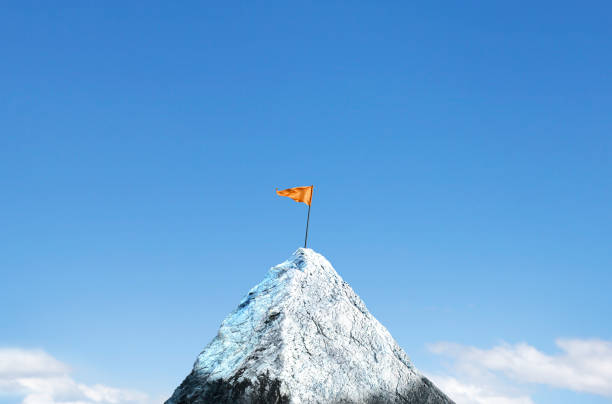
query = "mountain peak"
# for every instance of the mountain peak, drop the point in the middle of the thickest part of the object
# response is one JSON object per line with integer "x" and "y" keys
{"x": 306, "y": 259}
{"x": 302, "y": 335}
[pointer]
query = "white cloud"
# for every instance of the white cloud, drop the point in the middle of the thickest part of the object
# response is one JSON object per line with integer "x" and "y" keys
{"x": 21, "y": 362}
{"x": 42, "y": 379}
{"x": 499, "y": 374}
{"x": 478, "y": 393}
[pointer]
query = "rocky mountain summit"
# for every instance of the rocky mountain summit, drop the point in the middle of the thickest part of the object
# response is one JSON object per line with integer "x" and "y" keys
{"x": 303, "y": 336}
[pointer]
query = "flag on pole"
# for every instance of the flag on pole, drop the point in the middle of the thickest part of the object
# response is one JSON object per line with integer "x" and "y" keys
{"x": 298, "y": 194}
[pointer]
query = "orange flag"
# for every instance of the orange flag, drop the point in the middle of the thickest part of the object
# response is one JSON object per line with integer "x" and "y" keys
{"x": 298, "y": 194}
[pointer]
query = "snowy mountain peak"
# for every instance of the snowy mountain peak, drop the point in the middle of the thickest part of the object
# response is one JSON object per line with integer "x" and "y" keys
{"x": 306, "y": 259}
{"x": 303, "y": 336}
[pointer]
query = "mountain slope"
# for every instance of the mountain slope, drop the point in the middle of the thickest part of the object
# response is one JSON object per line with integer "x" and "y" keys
{"x": 303, "y": 336}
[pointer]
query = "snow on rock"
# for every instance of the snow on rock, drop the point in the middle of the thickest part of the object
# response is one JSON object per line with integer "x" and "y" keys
{"x": 303, "y": 336}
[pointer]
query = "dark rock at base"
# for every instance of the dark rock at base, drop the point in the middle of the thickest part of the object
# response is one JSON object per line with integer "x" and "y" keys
{"x": 267, "y": 391}
{"x": 263, "y": 391}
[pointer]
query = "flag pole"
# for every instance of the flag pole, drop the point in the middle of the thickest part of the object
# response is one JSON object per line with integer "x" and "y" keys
{"x": 308, "y": 218}
{"x": 307, "y": 221}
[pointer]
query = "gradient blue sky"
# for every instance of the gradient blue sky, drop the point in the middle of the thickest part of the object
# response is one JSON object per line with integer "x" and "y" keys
{"x": 461, "y": 154}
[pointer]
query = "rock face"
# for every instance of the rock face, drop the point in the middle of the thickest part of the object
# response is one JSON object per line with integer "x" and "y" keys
{"x": 303, "y": 336}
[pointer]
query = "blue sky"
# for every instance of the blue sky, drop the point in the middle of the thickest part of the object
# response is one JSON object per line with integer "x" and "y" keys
{"x": 461, "y": 156}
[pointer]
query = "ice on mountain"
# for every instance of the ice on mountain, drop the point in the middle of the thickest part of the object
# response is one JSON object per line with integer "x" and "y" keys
{"x": 302, "y": 335}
